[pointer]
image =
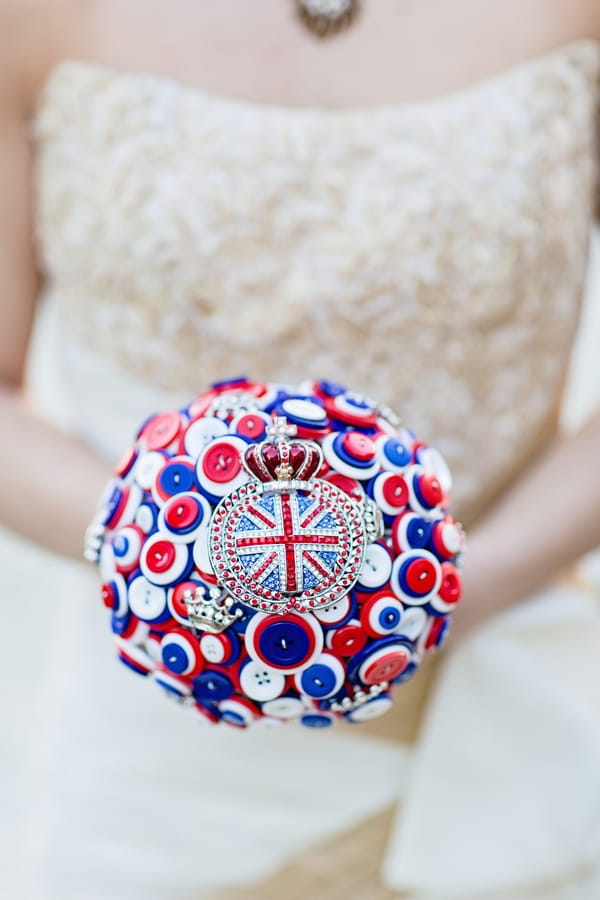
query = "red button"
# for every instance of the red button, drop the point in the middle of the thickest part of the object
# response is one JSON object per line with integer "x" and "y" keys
{"x": 420, "y": 576}
{"x": 431, "y": 490}
{"x": 201, "y": 403}
{"x": 251, "y": 426}
{"x": 109, "y": 595}
{"x": 359, "y": 446}
{"x": 347, "y": 640}
{"x": 126, "y": 461}
{"x": 348, "y": 485}
{"x": 395, "y": 491}
{"x": 451, "y": 587}
{"x": 221, "y": 462}
{"x": 176, "y": 602}
{"x": 385, "y": 667}
{"x": 182, "y": 513}
{"x": 161, "y": 430}
{"x": 161, "y": 556}
{"x": 435, "y": 631}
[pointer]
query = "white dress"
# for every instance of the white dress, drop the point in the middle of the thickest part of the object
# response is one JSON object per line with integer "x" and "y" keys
{"x": 430, "y": 253}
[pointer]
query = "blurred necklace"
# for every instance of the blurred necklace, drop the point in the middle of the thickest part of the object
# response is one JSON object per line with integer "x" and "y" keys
{"x": 327, "y": 17}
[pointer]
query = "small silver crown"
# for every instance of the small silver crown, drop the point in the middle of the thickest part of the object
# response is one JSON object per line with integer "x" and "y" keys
{"x": 231, "y": 403}
{"x": 209, "y": 609}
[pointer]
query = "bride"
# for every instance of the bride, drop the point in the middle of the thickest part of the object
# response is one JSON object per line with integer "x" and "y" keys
{"x": 405, "y": 206}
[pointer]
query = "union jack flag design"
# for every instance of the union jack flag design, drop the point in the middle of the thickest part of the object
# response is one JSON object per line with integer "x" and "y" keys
{"x": 288, "y": 542}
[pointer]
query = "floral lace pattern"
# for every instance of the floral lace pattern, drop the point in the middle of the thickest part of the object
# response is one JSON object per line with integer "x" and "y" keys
{"x": 430, "y": 253}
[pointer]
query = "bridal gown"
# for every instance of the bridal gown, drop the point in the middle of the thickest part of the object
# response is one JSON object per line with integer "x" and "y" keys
{"x": 429, "y": 253}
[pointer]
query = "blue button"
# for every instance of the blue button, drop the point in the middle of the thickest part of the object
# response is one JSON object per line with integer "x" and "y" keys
{"x": 232, "y": 717}
{"x": 323, "y": 679}
{"x": 317, "y": 720}
{"x": 284, "y": 644}
{"x": 119, "y": 623}
{"x": 236, "y": 381}
{"x": 174, "y": 686}
{"x": 131, "y": 664}
{"x": 331, "y": 388}
{"x": 212, "y": 685}
{"x": 418, "y": 532}
{"x": 175, "y": 478}
{"x": 175, "y": 658}
{"x": 112, "y": 504}
{"x": 240, "y": 624}
{"x": 406, "y": 674}
{"x": 395, "y": 453}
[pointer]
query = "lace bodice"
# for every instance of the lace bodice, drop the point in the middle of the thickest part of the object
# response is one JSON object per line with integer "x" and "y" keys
{"x": 429, "y": 253}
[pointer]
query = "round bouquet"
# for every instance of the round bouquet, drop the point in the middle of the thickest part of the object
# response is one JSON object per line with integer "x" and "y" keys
{"x": 276, "y": 553}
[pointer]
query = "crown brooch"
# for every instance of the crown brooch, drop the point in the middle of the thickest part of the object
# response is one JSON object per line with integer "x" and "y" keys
{"x": 287, "y": 539}
{"x": 210, "y": 609}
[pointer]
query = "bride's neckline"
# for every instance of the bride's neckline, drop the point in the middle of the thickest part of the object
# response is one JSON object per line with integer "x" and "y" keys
{"x": 531, "y": 64}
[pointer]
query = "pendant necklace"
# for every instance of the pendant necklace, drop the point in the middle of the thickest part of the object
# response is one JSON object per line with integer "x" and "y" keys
{"x": 324, "y": 18}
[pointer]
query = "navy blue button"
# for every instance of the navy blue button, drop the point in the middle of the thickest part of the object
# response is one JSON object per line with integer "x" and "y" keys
{"x": 284, "y": 644}
{"x": 112, "y": 505}
{"x": 418, "y": 532}
{"x": 212, "y": 685}
{"x": 406, "y": 674}
{"x": 275, "y": 401}
{"x": 240, "y": 624}
{"x": 331, "y": 388}
{"x": 211, "y": 708}
{"x": 357, "y": 402}
{"x": 119, "y": 623}
{"x": 131, "y": 664}
{"x": 229, "y": 382}
{"x": 232, "y": 718}
{"x": 316, "y": 720}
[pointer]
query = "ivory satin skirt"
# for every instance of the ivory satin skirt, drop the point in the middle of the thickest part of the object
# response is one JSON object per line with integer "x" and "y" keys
{"x": 109, "y": 791}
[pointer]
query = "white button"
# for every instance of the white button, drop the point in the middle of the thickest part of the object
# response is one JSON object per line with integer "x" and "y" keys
{"x": 412, "y": 623}
{"x": 377, "y": 567}
{"x": 213, "y": 648}
{"x": 283, "y": 708}
{"x": 147, "y": 601}
{"x": 237, "y": 711}
{"x": 137, "y": 654}
{"x": 335, "y": 613}
{"x": 201, "y": 553}
{"x": 147, "y": 467}
{"x": 107, "y": 563}
{"x": 201, "y": 432}
{"x": 261, "y": 683}
{"x": 372, "y": 709}
{"x": 297, "y": 408}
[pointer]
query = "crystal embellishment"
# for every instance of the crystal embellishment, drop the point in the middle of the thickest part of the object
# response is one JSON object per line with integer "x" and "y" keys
{"x": 287, "y": 539}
